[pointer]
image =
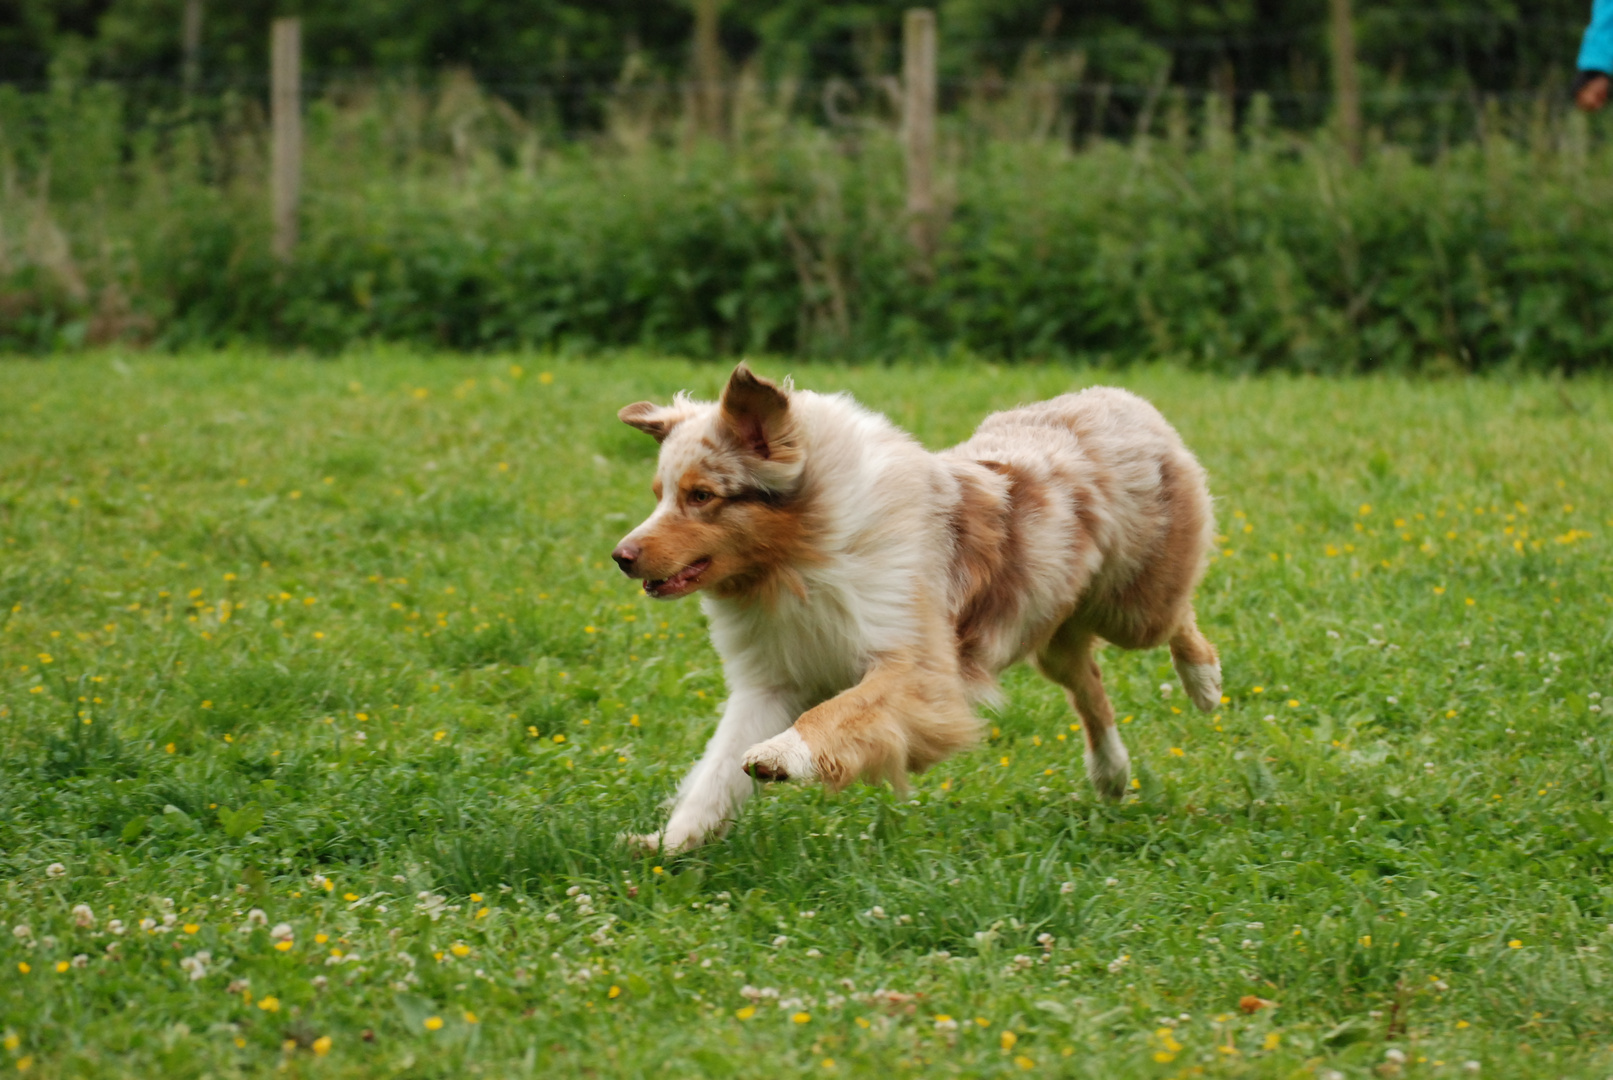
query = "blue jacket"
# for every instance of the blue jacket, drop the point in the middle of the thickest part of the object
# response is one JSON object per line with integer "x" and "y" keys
{"x": 1596, "y": 54}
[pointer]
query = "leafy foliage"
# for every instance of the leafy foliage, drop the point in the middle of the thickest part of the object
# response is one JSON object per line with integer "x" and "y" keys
{"x": 438, "y": 220}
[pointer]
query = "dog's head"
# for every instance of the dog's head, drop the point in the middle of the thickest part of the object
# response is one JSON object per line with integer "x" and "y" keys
{"x": 726, "y": 515}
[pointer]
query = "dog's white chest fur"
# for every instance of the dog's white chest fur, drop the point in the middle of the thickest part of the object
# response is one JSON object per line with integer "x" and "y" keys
{"x": 810, "y": 648}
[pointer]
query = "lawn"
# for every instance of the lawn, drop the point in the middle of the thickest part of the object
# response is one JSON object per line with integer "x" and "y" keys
{"x": 321, "y": 707}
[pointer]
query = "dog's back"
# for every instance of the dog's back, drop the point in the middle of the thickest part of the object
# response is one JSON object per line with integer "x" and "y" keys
{"x": 1109, "y": 517}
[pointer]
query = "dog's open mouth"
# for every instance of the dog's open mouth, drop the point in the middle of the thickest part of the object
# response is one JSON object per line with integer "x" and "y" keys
{"x": 683, "y": 581}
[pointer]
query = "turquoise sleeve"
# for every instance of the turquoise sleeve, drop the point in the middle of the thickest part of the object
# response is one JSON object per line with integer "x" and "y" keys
{"x": 1596, "y": 53}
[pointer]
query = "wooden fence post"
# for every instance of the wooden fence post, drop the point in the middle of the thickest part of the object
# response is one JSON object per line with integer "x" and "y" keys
{"x": 708, "y": 69}
{"x": 918, "y": 125}
{"x": 190, "y": 38}
{"x": 286, "y": 117}
{"x": 1346, "y": 90}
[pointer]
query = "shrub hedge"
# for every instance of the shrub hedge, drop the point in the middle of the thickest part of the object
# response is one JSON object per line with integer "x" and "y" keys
{"x": 1233, "y": 251}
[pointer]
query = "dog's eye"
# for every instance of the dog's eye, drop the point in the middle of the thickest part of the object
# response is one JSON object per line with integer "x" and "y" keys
{"x": 700, "y": 496}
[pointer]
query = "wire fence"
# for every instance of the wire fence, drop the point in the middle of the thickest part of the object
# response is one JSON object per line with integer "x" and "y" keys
{"x": 1071, "y": 74}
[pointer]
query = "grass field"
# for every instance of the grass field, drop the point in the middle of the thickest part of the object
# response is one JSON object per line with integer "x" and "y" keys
{"x": 319, "y": 694}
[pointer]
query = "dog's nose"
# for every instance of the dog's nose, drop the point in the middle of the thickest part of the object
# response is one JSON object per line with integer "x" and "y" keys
{"x": 625, "y": 555}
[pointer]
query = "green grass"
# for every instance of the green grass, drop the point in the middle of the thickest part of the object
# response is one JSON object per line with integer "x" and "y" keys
{"x": 356, "y": 619}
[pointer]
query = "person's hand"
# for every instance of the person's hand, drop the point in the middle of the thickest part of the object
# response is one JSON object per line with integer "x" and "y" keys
{"x": 1593, "y": 95}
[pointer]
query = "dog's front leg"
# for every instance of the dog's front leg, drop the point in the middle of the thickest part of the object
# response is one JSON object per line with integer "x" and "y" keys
{"x": 711, "y": 795}
{"x": 904, "y": 716}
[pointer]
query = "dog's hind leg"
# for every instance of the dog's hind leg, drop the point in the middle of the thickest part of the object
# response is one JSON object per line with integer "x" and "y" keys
{"x": 1196, "y": 664}
{"x": 1067, "y": 660}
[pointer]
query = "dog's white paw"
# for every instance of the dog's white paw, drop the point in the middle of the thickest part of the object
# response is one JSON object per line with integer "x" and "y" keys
{"x": 783, "y": 757}
{"x": 1109, "y": 766}
{"x": 1202, "y": 683}
{"x": 671, "y": 841}
{"x": 641, "y": 843}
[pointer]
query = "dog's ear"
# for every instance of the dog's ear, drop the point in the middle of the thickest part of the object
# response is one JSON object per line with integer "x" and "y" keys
{"x": 656, "y": 421}
{"x": 757, "y": 412}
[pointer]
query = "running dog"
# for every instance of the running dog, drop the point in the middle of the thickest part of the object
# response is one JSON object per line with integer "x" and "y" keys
{"x": 864, "y": 593}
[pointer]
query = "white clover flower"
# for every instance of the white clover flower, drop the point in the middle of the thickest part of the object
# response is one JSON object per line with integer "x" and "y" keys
{"x": 1067, "y": 888}
{"x": 320, "y": 982}
{"x": 81, "y": 960}
{"x": 1395, "y": 1056}
{"x": 945, "y": 1023}
{"x": 780, "y": 941}
{"x": 553, "y": 916}
{"x": 1111, "y": 882}
{"x": 1471, "y": 1067}
{"x": 148, "y": 925}
{"x": 876, "y": 912}
{"x": 114, "y": 926}
{"x": 809, "y": 914}
{"x": 583, "y": 898}
{"x": 169, "y": 920}
{"x": 1166, "y": 689}
{"x": 55, "y": 869}
{"x": 237, "y": 986}
{"x": 22, "y": 931}
{"x": 257, "y": 917}
{"x": 196, "y": 965}
{"x": 1118, "y": 963}
{"x": 814, "y": 953}
{"x": 574, "y": 890}
{"x": 83, "y": 917}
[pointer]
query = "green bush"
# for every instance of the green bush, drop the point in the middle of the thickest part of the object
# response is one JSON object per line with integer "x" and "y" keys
{"x": 422, "y": 224}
